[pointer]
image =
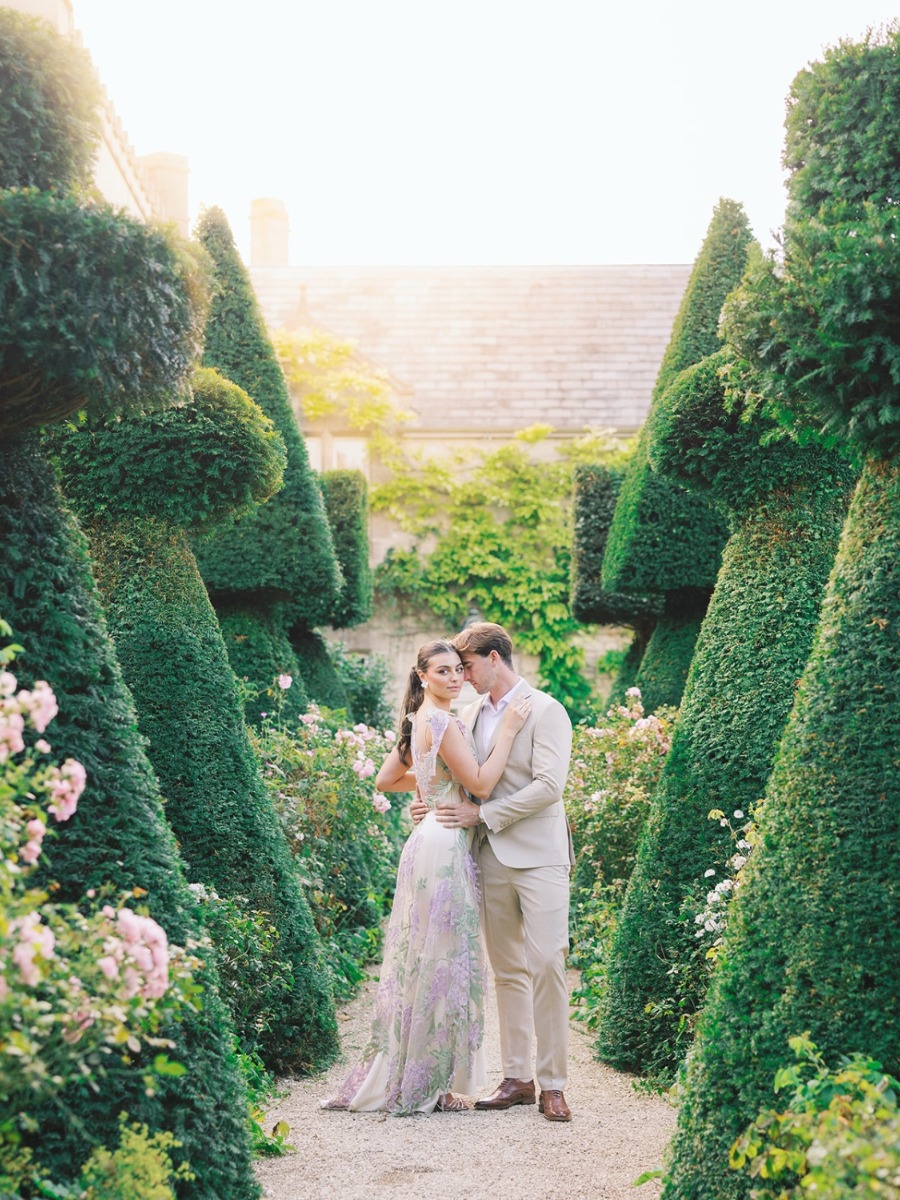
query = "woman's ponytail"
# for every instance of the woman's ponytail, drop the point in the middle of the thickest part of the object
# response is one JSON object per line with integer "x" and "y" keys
{"x": 411, "y": 702}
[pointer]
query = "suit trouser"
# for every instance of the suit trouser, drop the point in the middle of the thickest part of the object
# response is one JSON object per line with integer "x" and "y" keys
{"x": 525, "y": 918}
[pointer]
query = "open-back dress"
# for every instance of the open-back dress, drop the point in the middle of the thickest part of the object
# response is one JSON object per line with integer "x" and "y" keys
{"x": 428, "y": 1024}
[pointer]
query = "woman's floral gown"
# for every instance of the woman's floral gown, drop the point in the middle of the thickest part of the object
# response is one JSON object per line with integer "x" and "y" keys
{"x": 428, "y": 1026}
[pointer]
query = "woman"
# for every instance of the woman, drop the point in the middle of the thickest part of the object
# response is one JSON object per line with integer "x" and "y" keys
{"x": 428, "y": 1025}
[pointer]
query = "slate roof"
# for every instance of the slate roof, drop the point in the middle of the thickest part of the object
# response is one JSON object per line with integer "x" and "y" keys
{"x": 495, "y": 349}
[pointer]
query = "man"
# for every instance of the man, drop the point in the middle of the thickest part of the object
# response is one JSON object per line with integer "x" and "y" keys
{"x": 524, "y": 854}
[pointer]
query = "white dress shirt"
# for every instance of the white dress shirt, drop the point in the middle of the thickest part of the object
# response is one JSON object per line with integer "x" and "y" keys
{"x": 490, "y": 716}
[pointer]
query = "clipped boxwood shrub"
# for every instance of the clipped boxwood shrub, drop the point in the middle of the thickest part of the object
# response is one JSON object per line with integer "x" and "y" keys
{"x": 596, "y": 490}
{"x": 49, "y": 106}
{"x": 347, "y": 507}
{"x": 175, "y": 662}
{"x": 69, "y": 337}
{"x": 260, "y": 654}
{"x": 118, "y": 836}
{"x": 666, "y": 660}
{"x": 662, "y": 537}
{"x": 788, "y": 503}
{"x": 811, "y": 942}
{"x": 320, "y": 675}
{"x": 282, "y": 551}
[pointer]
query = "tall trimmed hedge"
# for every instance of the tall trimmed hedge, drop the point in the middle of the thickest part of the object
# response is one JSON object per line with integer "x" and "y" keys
{"x": 347, "y": 508}
{"x": 787, "y": 503}
{"x": 661, "y": 537}
{"x": 664, "y": 539}
{"x": 260, "y": 652}
{"x": 283, "y": 550}
{"x": 119, "y": 835}
{"x": 596, "y": 490}
{"x": 320, "y": 675}
{"x": 663, "y": 670}
{"x": 175, "y": 662}
{"x": 812, "y": 943}
{"x": 274, "y": 569}
{"x": 59, "y": 264}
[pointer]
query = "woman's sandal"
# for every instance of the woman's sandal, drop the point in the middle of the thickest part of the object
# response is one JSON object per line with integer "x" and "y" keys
{"x": 450, "y": 1103}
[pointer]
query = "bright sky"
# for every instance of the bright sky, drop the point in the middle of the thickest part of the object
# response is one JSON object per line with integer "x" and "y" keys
{"x": 470, "y": 132}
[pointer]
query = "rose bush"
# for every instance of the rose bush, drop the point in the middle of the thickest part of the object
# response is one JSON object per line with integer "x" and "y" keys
{"x": 615, "y": 766}
{"x": 83, "y": 990}
{"x": 345, "y": 835}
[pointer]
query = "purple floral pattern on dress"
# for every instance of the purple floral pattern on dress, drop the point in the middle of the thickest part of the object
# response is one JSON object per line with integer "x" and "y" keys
{"x": 428, "y": 1021}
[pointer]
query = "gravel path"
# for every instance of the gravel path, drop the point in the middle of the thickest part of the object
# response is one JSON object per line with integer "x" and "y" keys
{"x": 614, "y": 1135}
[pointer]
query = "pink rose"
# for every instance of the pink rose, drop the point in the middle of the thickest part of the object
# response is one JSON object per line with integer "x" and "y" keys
{"x": 284, "y": 682}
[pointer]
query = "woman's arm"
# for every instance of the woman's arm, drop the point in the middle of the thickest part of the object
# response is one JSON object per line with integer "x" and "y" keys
{"x": 395, "y": 775}
{"x": 457, "y": 754}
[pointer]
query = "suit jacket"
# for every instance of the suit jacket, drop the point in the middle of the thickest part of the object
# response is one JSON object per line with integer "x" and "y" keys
{"x": 525, "y": 821}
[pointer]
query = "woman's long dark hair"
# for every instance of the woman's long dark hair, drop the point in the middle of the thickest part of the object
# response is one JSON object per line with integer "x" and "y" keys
{"x": 415, "y": 693}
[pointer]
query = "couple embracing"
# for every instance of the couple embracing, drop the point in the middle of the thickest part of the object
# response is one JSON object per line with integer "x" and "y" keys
{"x": 490, "y": 853}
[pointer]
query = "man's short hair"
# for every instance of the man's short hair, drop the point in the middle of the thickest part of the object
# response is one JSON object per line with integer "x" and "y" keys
{"x": 481, "y": 637}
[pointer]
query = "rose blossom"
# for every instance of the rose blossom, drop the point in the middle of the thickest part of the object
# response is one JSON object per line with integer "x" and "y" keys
{"x": 284, "y": 682}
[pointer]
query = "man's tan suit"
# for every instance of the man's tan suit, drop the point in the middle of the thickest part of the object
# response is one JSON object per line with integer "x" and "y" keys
{"x": 525, "y": 853}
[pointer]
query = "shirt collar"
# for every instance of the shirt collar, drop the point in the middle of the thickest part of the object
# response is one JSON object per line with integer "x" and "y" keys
{"x": 504, "y": 699}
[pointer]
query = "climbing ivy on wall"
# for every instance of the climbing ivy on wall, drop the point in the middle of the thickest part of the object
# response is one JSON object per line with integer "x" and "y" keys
{"x": 493, "y": 529}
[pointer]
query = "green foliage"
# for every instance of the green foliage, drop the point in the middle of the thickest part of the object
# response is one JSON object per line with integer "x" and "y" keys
{"x": 667, "y": 658}
{"x": 255, "y": 977}
{"x": 117, "y": 838}
{"x": 615, "y": 766}
{"x": 97, "y": 310}
{"x": 190, "y": 711}
{"x": 140, "y": 1168}
{"x": 750, "y": 652}
{"x": 502, "y": 521}
{"x": 824, "y": 872}
{"x": 597, "y": 488}
{"x": 346, "y": 837}
{"x": 320, "y": 675}
{"x": 817, "y": 327}
{"x": 192, "y": 465}
{"x": 260, "y": 653}
{"x": 49, "y": 106}
{"x": 662, "y": 538}
{"x": 629, "y": 662}
{"x": 838, "y": 1137}
{"x": 347, "y": 507}
{"x": 365, "y": 680}
{"x": 333, "y": 383}
{"x": 283, "y": 550}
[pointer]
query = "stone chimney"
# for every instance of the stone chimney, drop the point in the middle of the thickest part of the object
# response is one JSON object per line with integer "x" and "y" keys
{"x": 268, "y": 233}
{"x": 167, "y": 177}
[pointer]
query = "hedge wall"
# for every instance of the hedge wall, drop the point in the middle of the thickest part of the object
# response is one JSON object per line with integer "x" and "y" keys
{"x": 118, "y": 836}
{"x": 174, "y": 659}
{"x": 283, "y": 551}
{"x": 347, "y": 508}
{"x": 811, "y": 943}
{"x": 788, "y": 503}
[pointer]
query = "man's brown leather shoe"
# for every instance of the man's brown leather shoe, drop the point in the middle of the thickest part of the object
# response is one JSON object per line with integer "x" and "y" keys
{"x": 553, "y": 1105}
{"x": 510, "y": 1092}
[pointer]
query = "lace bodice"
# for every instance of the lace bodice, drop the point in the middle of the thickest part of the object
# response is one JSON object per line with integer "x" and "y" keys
{"x": 436, "y": 783}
